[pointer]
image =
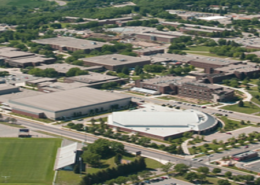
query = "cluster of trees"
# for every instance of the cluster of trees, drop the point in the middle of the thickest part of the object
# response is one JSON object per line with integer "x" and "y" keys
{"x": 232, "y": 82}
{"x": 242, "y": 178}
{"x": 179, "y": 44}
{"x": 41, "y": 49}
{"x": 156, "y": 68}
{"x": 112, "y": 173}
{"x": 147, "y": 23}
{"x": 223, "y": 34}
{"x": 49, "y": 72}
{"x": 110, "y": 85}
{"x": 181, "y": 70}
{"x": 123, "y": 179}
{"x": 242, "y": 138}
{"x": 101, "y": 149}
{"x": 75, "y": 71}
{"x": 102, "y": 129}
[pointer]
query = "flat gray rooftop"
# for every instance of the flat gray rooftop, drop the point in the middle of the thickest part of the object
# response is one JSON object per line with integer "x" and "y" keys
{"x": 14, "y": 54}
{"x": 113, "y": 59}
{"x": 33, "y": 59}
{"x": 7, "y": 87}
{"x": 70, "y": 99}
{"x": 239, "y": 68}
{"x": 71, "y": 42}
{"x": 93, "y": 77}
{"x": 166, "y": 80}
{"x": 216, "y": 61}
{"x": 62, "y": 68}
{"x": 59, "y": 86}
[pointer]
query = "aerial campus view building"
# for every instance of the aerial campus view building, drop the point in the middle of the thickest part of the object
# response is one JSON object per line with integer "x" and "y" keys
{"x": 115, "y": 61}
{"x": 163, "y": 125}
{"x": 71, "y": 44}
{"x": 15, "y": 58}
{"x": 186, "y": 87}
{"x": 68, "y": 104}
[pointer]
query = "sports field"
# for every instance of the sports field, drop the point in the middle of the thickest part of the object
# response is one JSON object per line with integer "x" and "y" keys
{"x": 27, "y": 161}
{"x": 21, "y": 3}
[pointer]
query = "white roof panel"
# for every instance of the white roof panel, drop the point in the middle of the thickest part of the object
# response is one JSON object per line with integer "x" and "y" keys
{"x": 66, "y": 156}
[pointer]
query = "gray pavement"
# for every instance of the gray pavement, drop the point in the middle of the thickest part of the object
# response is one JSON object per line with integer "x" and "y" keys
{"x": 172, "y": 180}
{"x": 132, "y": 148}
{"x": 209, "y": 110}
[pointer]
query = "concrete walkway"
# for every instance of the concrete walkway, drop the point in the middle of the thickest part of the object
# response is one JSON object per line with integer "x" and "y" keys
{"x": 184, "y": 146}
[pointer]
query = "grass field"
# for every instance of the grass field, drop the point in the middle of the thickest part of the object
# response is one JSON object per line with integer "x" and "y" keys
{"x": 28, "y": 161}
{"x": 247, "y": 109}
{"x": 70, "y": 178}
{"x": 21, "y": 3}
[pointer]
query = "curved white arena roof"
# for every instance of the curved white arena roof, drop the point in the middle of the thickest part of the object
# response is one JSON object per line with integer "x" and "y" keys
{"x": 163, "y": 123}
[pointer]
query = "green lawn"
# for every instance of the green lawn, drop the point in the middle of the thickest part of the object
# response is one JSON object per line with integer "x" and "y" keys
{"x": 70, "y": 178}
{"x": 247, "y": 109}
{"x": 28, "y": 161}
{"x": 198, "y": 48}
{"x": 21, "y": 3}
{"x": 199, "y": 102}
{"x": 202, "y": 50}
{"x": 254, "y": 92}
{"x": 232, "y": 124}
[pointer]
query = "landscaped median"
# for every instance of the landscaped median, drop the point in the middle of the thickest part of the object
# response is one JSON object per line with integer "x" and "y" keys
{"x": 247, "y": 108}
{"x": 218, "y": 146}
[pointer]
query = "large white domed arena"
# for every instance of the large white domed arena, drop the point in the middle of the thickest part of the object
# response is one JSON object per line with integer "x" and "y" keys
{"x": 163, "y": 124}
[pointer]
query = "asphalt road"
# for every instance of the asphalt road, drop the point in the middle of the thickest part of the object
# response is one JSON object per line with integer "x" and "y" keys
{"x": 209, "y": 110}
{"x": 129, "y": 147}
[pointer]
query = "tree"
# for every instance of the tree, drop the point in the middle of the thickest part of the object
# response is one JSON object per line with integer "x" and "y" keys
{"x": 241, "y": 103}
{"x": 204, "y": 170}
{"x": 91, "y": 158}
{"x": 134, "y": 178}
{"x": 165, "y": 168}
{"x": 76, "y": 169}
{"x": 228, "y": 174}
{"x": 223, "y": 182}
{"x": 191, "y": 176}
{"x": 13, "y": 120}
{"x": 181, "y": 168}
{"x": 216, "y": 170}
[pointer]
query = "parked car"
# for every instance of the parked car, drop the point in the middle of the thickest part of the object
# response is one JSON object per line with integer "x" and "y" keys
{"x": 229, "y": 133}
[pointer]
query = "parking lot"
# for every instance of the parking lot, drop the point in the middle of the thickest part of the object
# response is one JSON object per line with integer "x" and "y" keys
{"x": 171, "y": 182}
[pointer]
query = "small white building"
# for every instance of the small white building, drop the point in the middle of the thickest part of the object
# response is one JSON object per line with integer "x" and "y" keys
{"x": 67, "y": 157}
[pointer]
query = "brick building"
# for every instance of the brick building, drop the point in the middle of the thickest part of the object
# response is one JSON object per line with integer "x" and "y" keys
{"x": 149, "y": 51}
{"x": 186, "y": 87}
{"x": 15, "y": 58}
{"x": 208, "y": 64}
{"x": 154, "y": 37}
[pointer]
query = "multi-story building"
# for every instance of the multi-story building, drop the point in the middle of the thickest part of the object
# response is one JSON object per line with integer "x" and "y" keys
{"x": 186, "y": 87}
